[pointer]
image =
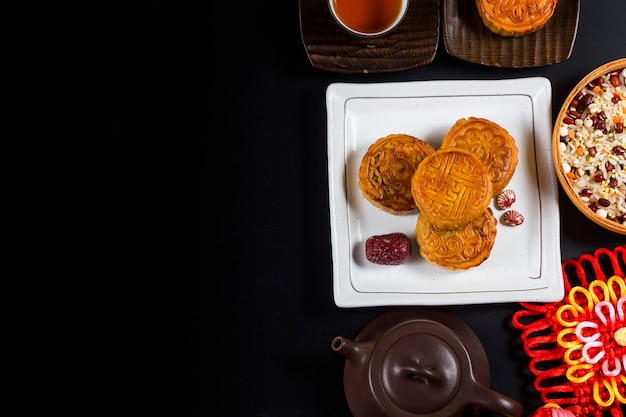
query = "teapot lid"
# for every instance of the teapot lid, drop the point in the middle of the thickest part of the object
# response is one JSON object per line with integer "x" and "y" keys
{"x": 410, "y": 374}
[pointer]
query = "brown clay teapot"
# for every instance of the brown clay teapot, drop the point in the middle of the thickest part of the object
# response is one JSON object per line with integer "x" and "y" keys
{"x": 413, "y": 363}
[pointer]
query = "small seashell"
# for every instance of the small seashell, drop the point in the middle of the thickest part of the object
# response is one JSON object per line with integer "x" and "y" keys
{"x": 513, "y": 218}
{"x": 505, "y": 199}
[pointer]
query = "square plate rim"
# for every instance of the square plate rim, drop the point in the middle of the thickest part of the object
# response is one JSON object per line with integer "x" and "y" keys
{"x": 539, "y": 89}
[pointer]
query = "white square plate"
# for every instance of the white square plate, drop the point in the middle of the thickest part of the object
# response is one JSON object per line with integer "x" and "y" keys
{"x": 525, "y": 262}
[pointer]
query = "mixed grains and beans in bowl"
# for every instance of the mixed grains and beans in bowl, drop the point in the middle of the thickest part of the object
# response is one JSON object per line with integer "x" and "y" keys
{"x": 589, "y": 146}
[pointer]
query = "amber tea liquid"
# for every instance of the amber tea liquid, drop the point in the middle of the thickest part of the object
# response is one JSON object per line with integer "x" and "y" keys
{"x": 367, "y": 16}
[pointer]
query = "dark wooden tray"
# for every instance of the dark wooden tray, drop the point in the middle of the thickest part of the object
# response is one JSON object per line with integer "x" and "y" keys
{"x": 413, "y": 43}
{"x": 466, "y": 37}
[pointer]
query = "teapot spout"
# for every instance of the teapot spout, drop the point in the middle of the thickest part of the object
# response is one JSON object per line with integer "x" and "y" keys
{"x": 351, "y": 350}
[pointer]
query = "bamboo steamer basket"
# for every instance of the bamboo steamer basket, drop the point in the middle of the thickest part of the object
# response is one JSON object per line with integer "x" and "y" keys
{"x": 573, "y": 196}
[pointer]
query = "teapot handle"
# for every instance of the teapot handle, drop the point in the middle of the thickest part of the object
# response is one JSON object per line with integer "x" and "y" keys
{"x": 489, "y": 399}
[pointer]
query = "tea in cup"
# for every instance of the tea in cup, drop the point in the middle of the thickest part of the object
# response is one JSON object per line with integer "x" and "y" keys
{"x": 368, "y": 17}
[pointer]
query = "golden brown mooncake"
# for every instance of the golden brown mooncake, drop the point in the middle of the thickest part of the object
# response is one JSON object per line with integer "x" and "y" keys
{"x": 515, "y": 17}
{"x": 451, "y": 187}
{"x": 490, "y": 142}
{"x": 386, "y": 171}
{"x": 457, "y": 249}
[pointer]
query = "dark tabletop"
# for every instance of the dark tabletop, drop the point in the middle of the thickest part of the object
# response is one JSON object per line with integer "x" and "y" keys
{"x": 277, "y": 358}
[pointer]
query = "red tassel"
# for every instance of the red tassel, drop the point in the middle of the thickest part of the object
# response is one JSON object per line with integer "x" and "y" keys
{"x": 540, "y": 326}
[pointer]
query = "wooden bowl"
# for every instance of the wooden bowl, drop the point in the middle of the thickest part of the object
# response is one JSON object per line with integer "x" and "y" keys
{"x": 568, "y": 183}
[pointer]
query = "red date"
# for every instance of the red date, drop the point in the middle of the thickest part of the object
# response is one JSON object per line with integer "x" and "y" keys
{"x": 389, "y": 249}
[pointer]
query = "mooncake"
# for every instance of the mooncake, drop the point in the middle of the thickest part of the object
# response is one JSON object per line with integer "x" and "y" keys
{"x": 457, "y": 249}
{"x": 386, "y": 171}
{"x": 490, "y": 142}
{"x": 451, "y": 187}
{"x": 515, "y": 17}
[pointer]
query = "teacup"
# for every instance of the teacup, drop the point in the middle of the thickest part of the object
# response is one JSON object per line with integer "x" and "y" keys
{"x": 368, "y": 18}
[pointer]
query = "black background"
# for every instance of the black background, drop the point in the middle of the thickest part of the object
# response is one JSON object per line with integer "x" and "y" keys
{"x": 280, "y": 294}
{"x": 191, "y": 183}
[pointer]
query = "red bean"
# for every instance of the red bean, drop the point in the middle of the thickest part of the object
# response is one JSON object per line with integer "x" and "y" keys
{"x": 599, "y": 177}
{"x": 600, "y": 125}
{"x": 586, "y": 192}
{"x": 575, "y": 114}
{"x": 585, "y": 101}
{"x": 615, "y": 80}
{"x": 618, "y": 150}
{"x": 592, "y": 151}
{"x": 619, "y": 127}
{"x": 604, "y": 202}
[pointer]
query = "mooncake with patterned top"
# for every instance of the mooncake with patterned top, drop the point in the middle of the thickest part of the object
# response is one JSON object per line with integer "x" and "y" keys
{"x": 386, "y": 171}
{"x": 491, "y": 142}
{"x": 451, "y": 187}
{"x": 515, "y": 17}
{"x": 457, "y": 249}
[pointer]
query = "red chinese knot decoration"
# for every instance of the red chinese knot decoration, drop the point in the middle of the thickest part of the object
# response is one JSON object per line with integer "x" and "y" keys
{"x": 577, "y": 346}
